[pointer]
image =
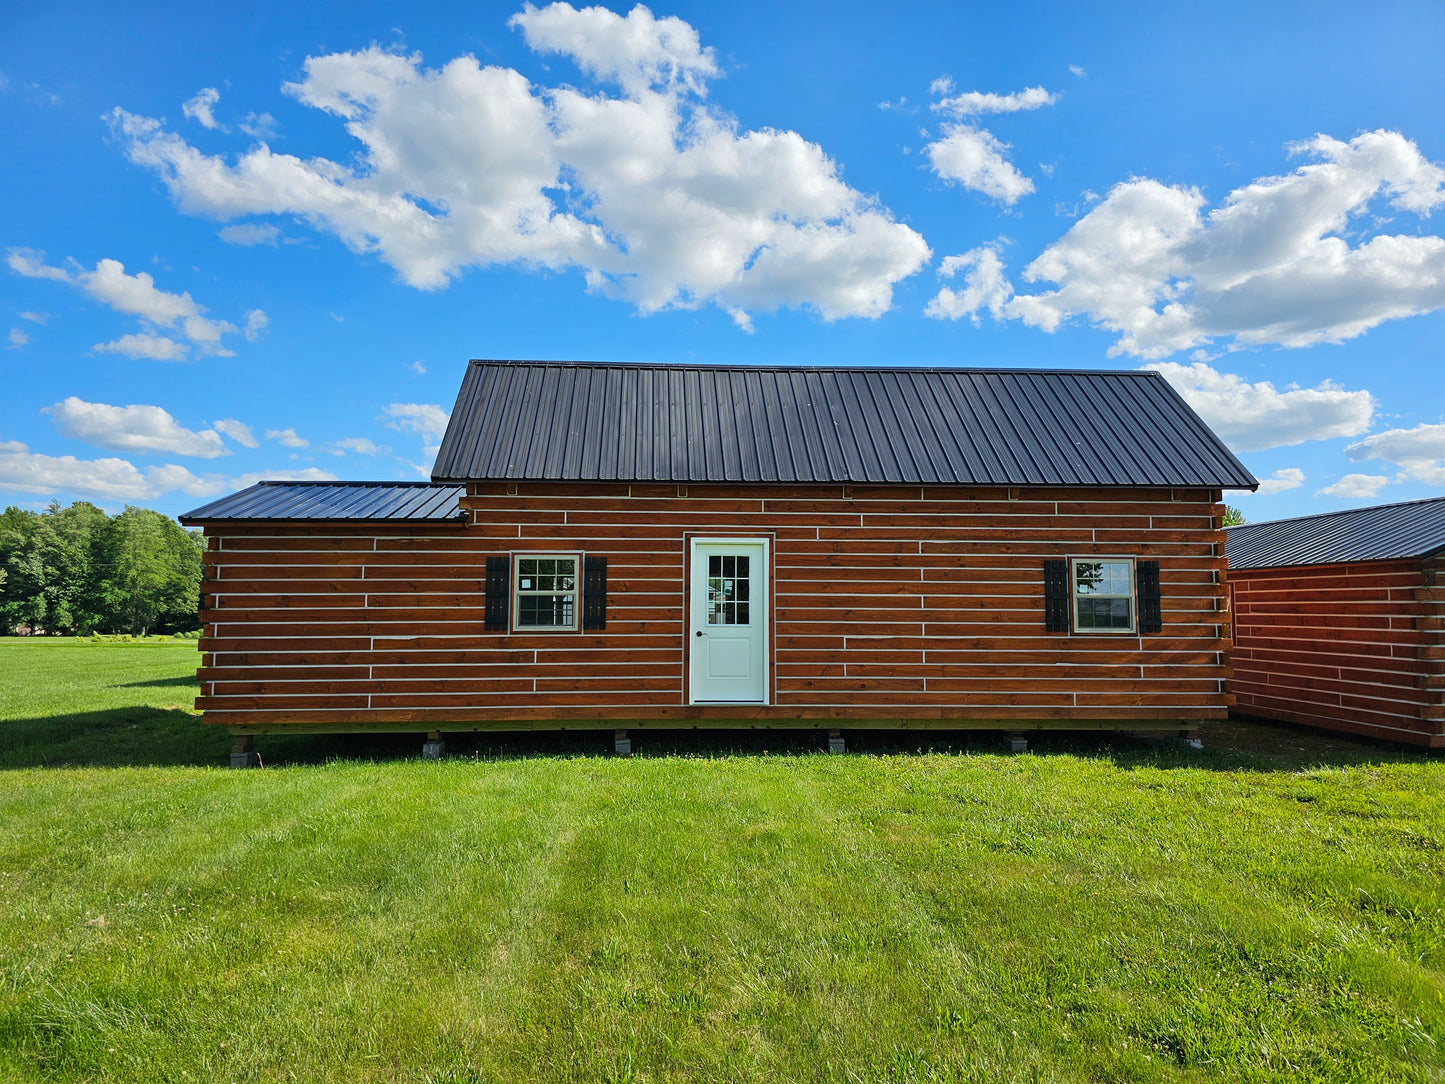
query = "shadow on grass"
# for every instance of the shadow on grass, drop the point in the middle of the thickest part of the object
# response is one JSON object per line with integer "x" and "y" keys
{"x": 187, "y": 681}
{"x": 1232, "y": 746}
{"x": 134, "y": 737}
{"x": 172, "y": 737}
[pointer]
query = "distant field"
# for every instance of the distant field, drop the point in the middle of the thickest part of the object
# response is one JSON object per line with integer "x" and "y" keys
{"x": 717, "y": 908}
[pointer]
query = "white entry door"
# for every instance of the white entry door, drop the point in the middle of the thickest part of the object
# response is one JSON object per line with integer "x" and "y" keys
{"x": 728, "y": 621}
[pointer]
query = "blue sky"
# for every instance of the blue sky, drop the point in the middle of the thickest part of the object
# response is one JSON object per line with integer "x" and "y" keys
{"x": 263, "y": 242}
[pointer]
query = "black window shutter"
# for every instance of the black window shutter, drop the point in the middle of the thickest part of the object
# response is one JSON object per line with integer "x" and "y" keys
{"x": 1151, "y": 615}
{"x": 1056, "y": 596}
{"x": 594, "y": 592}
{"x": 499, "y": 593}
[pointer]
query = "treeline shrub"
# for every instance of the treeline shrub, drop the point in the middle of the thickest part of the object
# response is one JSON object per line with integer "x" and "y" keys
{"x": 77, "y": 570}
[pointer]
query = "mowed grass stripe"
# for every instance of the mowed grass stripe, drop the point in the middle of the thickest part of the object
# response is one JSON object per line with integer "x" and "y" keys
{"x": 1103, "y": 912}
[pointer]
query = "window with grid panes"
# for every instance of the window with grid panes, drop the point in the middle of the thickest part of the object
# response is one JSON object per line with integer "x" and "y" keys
{"x": 546, "y": 591}
{"x": 1103, "y": 595}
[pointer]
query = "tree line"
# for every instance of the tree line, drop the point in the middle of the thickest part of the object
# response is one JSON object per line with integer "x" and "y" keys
{"x": 79, "y": 570}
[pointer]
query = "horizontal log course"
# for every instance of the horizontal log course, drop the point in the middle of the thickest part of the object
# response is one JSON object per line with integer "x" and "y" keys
{"x": 462, "y": 719}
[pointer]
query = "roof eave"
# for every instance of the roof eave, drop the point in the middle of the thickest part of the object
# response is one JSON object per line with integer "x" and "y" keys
{"x": 191, "y": 521}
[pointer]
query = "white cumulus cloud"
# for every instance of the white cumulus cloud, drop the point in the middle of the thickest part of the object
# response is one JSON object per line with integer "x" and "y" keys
{"x": 136, "y": 295}
{"x": 1355, "y": 486}
{"x": 1283, "y": 261}
{"x": 134, "y": 428}
{"x": 1253, "y": 417}
{"x": 146, "y": 345}
{"x": 240, "y": 432}
{"x": 637, "y": 51}
{"x": 259, "y": 125}
{"x": 972, "y": 156}
{"x": 108, "y": 479}
{"x": 1280, "y": 480}
{"x": 359, "y": 446}
{"x": 32, "y": 265}
{"x": 305, "y": 474}
{"x": 200, "y": 108}
{"x": 1420, "y": 451}
{"x": 287, "y": 438}
{"x": 256, "y": 322}
{"x": 250, "y": 233}
{"x": 974, "y": 101}
{"x": 428, "y": 420}
{"x": 985, "y": 286}
{"x": 658, "y": 198}
{"x": 18, "y": 339}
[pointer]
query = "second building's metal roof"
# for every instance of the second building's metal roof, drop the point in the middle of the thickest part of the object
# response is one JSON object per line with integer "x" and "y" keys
{"x": 569, "y": 421}
{"x": 344, "y": 501}
{"x": 1384, "y": 532}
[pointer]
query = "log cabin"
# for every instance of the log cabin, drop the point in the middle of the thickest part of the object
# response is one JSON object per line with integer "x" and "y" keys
{"x": 1340, "y": 620}
{"x": 625, "y": 547}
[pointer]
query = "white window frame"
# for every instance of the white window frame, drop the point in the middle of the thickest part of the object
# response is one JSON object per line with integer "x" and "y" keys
{"x": 1132, "y": 596}
{"x": 518, "y": 593}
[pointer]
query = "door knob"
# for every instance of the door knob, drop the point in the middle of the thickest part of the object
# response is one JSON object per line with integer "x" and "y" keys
{"x": 699, "y": 632}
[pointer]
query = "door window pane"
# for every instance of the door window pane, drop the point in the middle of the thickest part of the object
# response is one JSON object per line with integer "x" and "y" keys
{"x": 727, "y": 589}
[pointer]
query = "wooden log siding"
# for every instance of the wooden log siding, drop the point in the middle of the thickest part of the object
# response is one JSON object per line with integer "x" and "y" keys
{"x": 892, "y": 606}
{"x": 1355, "y": 647}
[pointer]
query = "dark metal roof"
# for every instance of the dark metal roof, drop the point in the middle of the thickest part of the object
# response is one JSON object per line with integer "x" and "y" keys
{"x": 353, "y": 501}
{"x": 1382, "y": 533}
{"x": 566, "y": 421}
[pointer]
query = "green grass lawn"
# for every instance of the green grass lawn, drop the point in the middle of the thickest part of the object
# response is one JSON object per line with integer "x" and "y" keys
{"x": 717, "y": 908}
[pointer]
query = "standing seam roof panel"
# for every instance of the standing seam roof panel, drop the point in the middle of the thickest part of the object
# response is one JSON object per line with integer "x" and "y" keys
{"x": 791, "y": 429}
{"x": 1155, "y": 440}
{"x": 577, "y": 422}
{"x": 864, "y": 413}
{"x": 1410, "y": 529}
{"x": 697, "y": 444}
{"x": 850, "y": 460}
{"x": 1047, "y": 436}
{"x": 1122, "y": 407}
{"x": 1057, "y": 448}
{"x": 1087, "y": 451}
{"x": 994, "y": 398}
{"x": 975, "y": 462}
{"x": 1134, "y": 443}
{"x": 576, "y": 431}
{"x": 1000, "y": 404}
{"x": 948, "y": 441}
{"x": 335, "y": 501}
{"x": 908, "y": 439}
{"x": 825, "y": 456}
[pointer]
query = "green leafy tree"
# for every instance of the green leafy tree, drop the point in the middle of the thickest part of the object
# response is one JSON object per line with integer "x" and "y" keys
{"x": 22, "y": 600}
{"x": 76, "y": 569}
{"x": 152, "y": 571}
{"x": 67, "y": 540}
{"x": 1233, "y": 517}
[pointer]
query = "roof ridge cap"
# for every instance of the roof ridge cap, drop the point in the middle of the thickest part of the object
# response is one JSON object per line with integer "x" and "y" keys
{"x": 1025, "y": 370}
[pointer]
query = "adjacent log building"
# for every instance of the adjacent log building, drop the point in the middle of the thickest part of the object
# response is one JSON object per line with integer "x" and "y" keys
{"x": 1340, "y": 620}
{"x": 631, "y": 546}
